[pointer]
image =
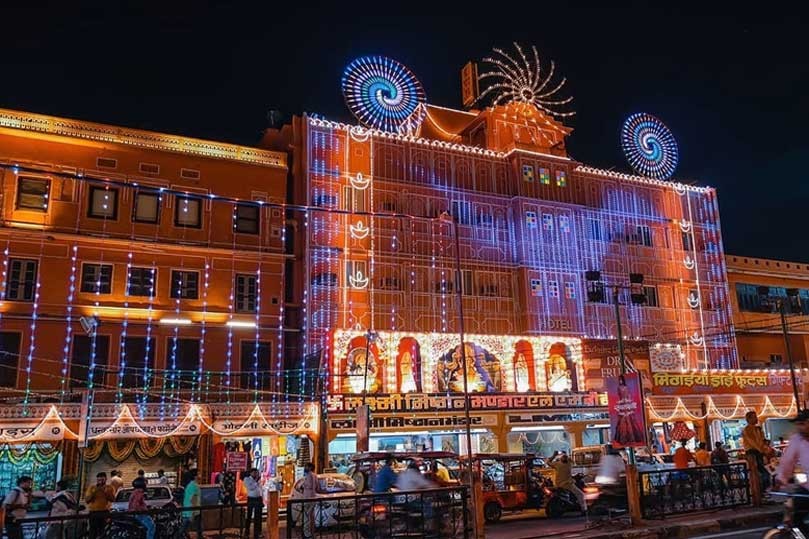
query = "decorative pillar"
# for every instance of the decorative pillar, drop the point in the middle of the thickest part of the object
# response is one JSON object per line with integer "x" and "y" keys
{"x": 205, "y": 456}
{"x": 576, "y": 433}
{"x": 70, "y": 458}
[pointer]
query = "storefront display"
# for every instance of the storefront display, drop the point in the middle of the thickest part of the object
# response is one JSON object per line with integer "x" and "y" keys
{"x": 40, "y": 461}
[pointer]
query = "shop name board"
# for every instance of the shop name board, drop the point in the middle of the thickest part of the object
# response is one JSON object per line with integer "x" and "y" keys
{"x": 531, "y": 419}
{"x": 421, "y": 402}
{"x": 43, "y": 433}
{"x": 676, "y": 383}
{"x": 257, "y": 427}
{"x": 140, "y": 429}
{"x": 603, "y": 362}
{"x": 397, "y": 422}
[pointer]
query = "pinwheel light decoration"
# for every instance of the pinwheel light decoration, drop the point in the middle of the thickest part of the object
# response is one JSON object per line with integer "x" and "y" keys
{"x": 649, "y": 146}
{"x": 383, "y": 94}
{"x": 514, "y": 78}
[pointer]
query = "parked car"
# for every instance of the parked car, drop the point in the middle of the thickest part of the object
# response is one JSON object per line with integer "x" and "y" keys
{"x": 156, "y": 497}
{"x": 336, "y": 503}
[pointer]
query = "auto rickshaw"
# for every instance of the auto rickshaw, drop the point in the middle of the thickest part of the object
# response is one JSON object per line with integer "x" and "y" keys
{"x": 512, "y": 482}
{"x": 364, "y": 466}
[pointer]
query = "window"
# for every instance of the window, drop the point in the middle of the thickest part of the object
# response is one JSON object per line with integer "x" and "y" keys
{"x": 32, "y": 193}
{"x": 255, "y": 366}
{"x": 137, "y": 353}
{"x": 353, "y": 199}
{"x": 106, "y": 162}
{"x": 536, "y": 288}
{"x": 644, "y": 235}
{"x": 544, "y": 176}
{"x": 484, "y": 216}
{"x": 356, "y": 273}
{"x": 324, "y": 201}
{"x": 597, "y": 292}
{"x": 570, "y": 290}
{"x": 9, "y": 357}
{"x": 246, "y": 293}
{"x": 561, "y": 178}
{"x": 564, "y": 223}
{"x": 531, "y": 219}
{"x": 462, "y": 212}
{"x": 688, "y": 241}
{"x": 188, "y": 212}
{"x": 246, "y": 218}
{"x": 547, "y": 221}
{"x": 184, "y": 284}
{"x": 748, "y": 298}
{"x": 149, "y": 168}
{"x": 96, "y": 278}
{"x": 82, "y": 359}
{"x": 651, "y": 296}
{"x": 324, "y": 279}
{"x": 528, "y": 173}
{"x": 147, "y": 207}
{"x": 141, "y": 282}
{"x": 22, "y": 280}
{"x": 467, "y": 289}
{"x": 553, "y": 289}
{"x": 189, "y": 174}
{"x": 594, "y": 229}
{"x": 103, "y": 203}
{"x": 185, "y": 353}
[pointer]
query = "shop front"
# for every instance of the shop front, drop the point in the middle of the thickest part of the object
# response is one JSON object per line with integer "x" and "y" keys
{"x": 34, "y": 441}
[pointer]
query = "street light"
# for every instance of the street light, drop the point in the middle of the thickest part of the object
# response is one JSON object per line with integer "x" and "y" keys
{"x": 446, "y": 217}
{"x": 595, "y": 294}
{"x": 780, "y": 302}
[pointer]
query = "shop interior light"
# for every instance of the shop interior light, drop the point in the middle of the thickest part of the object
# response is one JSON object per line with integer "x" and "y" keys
{"x": 240, "y": 324}
{"x": 176, "y": 321}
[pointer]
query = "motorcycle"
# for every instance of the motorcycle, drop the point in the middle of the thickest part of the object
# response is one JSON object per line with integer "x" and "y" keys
{"x": 561, "y": 501}
{"x": 607, "y": 500}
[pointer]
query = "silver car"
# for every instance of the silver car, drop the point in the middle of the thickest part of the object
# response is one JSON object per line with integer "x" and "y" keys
{"x": 157, "y": 496}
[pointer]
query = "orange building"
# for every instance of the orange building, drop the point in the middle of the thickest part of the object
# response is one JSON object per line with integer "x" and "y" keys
{"x": 150, "y": 268}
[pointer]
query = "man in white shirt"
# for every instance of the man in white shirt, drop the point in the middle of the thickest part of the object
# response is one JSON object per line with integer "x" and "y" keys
{"x": 411, "y": 479}
{"x": 16, "y": 503}
{"x": 255, "y": 503}
{"x": 796, "y": 455}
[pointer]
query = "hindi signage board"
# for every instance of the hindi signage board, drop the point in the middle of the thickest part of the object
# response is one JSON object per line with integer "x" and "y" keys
{"x": 387, "y": 422}
{"x": 733, "y": 382}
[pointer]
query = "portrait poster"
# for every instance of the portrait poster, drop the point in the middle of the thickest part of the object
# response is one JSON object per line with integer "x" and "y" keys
{"x": 627, "y": 421}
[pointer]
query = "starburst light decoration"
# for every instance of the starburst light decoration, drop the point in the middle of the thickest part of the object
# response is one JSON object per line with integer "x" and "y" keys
{"x": 649, "y": 146}
{"x": 523, "y": 80}
{"x": 383, "y": 94}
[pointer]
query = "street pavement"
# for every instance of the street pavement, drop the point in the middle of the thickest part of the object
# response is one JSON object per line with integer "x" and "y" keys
{"x": 751, "y": 533}
{"x": 534, "y": 524}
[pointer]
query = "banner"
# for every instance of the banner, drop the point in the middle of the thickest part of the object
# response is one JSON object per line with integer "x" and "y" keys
{"x": 626, "y": 411}
{"x": 602, "y": 361}
{"x": 236, "y": 461}
{"x": 723, "y": 382}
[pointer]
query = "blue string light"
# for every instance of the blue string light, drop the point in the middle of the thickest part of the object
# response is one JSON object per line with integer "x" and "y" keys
{"x": 649, "y": 146}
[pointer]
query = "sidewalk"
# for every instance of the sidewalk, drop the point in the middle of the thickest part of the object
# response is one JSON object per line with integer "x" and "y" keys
{"x": 679, "y": 526}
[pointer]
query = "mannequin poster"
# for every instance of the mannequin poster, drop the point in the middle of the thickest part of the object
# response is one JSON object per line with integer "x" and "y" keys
{"x": 626, "y": 411}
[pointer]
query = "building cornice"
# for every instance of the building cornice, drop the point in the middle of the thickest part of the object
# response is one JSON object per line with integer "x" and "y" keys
{"x": 150, "y": 140}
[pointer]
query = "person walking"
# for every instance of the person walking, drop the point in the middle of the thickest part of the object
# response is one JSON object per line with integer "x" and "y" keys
{"x": 192, "y": 497}
{"x": 720, "y": 459}
{"x": 16, "y": 503}
{"x": 116, "y": 481}
{"x": 754, "y": 444}
{"x": 255, "y": 502}
{"x": 137, "y": 502}
{"x": 99, "y": 498}
{"x": 309, "y": 492}
{"x": 63, "y": 503}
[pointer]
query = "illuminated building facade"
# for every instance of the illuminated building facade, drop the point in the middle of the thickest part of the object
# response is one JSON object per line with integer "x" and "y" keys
{"x": 147, "y": 268}
{"x": 531, "y": 222}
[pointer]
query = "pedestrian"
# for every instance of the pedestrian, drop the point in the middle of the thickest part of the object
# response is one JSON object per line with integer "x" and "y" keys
{"x": 99, "y": 498}
{"x": 137, "y": 503}
{"x": 255, "y": 502}
{"x": 161, "y": 477}
{"x": 754, "y": 444}
{"x": 63, "y": 503}
{"x": 192, "y": 497}
{"x": 309, "y": 492}
{"x": 682, "y": 456}
{"x": 796, "y": 457}
{"x": 385, "y": 478}
{"x": 16, "y": 503}
{"x": 116, "y": 481}
{"x": 611, "y": 467}
{"x": 141, "y": 475}
{"x": 701, "y": 456}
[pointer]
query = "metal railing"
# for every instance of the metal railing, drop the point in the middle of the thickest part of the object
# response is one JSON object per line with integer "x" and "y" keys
{"x": 441, "y": 513}
{"x": 671, "y": 491}
{"x": 169, "y": 522}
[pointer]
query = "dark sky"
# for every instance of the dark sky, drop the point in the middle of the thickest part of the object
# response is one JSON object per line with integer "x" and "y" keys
{"x": 733, "y": 85}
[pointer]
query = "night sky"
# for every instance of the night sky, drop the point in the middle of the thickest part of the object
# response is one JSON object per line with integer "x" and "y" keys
{"x": 732, "y": 85}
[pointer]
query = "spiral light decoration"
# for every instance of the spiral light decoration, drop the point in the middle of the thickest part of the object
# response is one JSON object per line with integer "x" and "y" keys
{"x": 649, "y": 146}
{"x": 516, "y": 78}
{"x": 383, "y": 94}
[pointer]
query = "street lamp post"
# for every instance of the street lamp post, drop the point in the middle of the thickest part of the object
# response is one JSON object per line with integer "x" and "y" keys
{"x": 781, "y": 303}
{"x": 461, "y": 329}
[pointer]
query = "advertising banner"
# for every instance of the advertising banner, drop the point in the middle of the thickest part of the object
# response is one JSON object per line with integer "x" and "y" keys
{"x": 627, "y": 422}
{"x": 723, "y": 382}
{"x": 602, "y": 361}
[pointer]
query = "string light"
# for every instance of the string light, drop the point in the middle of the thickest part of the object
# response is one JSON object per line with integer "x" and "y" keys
{"x": 122, "y": 367}
{"x": 71, "y": 290}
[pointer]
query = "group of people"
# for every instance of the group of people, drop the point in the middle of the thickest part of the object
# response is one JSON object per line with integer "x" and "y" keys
{"x": 410, "y": 478}
{"x": 98, "y": 500}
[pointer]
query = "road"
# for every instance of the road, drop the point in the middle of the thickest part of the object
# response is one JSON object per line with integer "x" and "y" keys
{"x": 753, "y": 533}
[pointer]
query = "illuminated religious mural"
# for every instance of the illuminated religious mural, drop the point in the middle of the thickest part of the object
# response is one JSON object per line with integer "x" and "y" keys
{"x": 400, "y": 362}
